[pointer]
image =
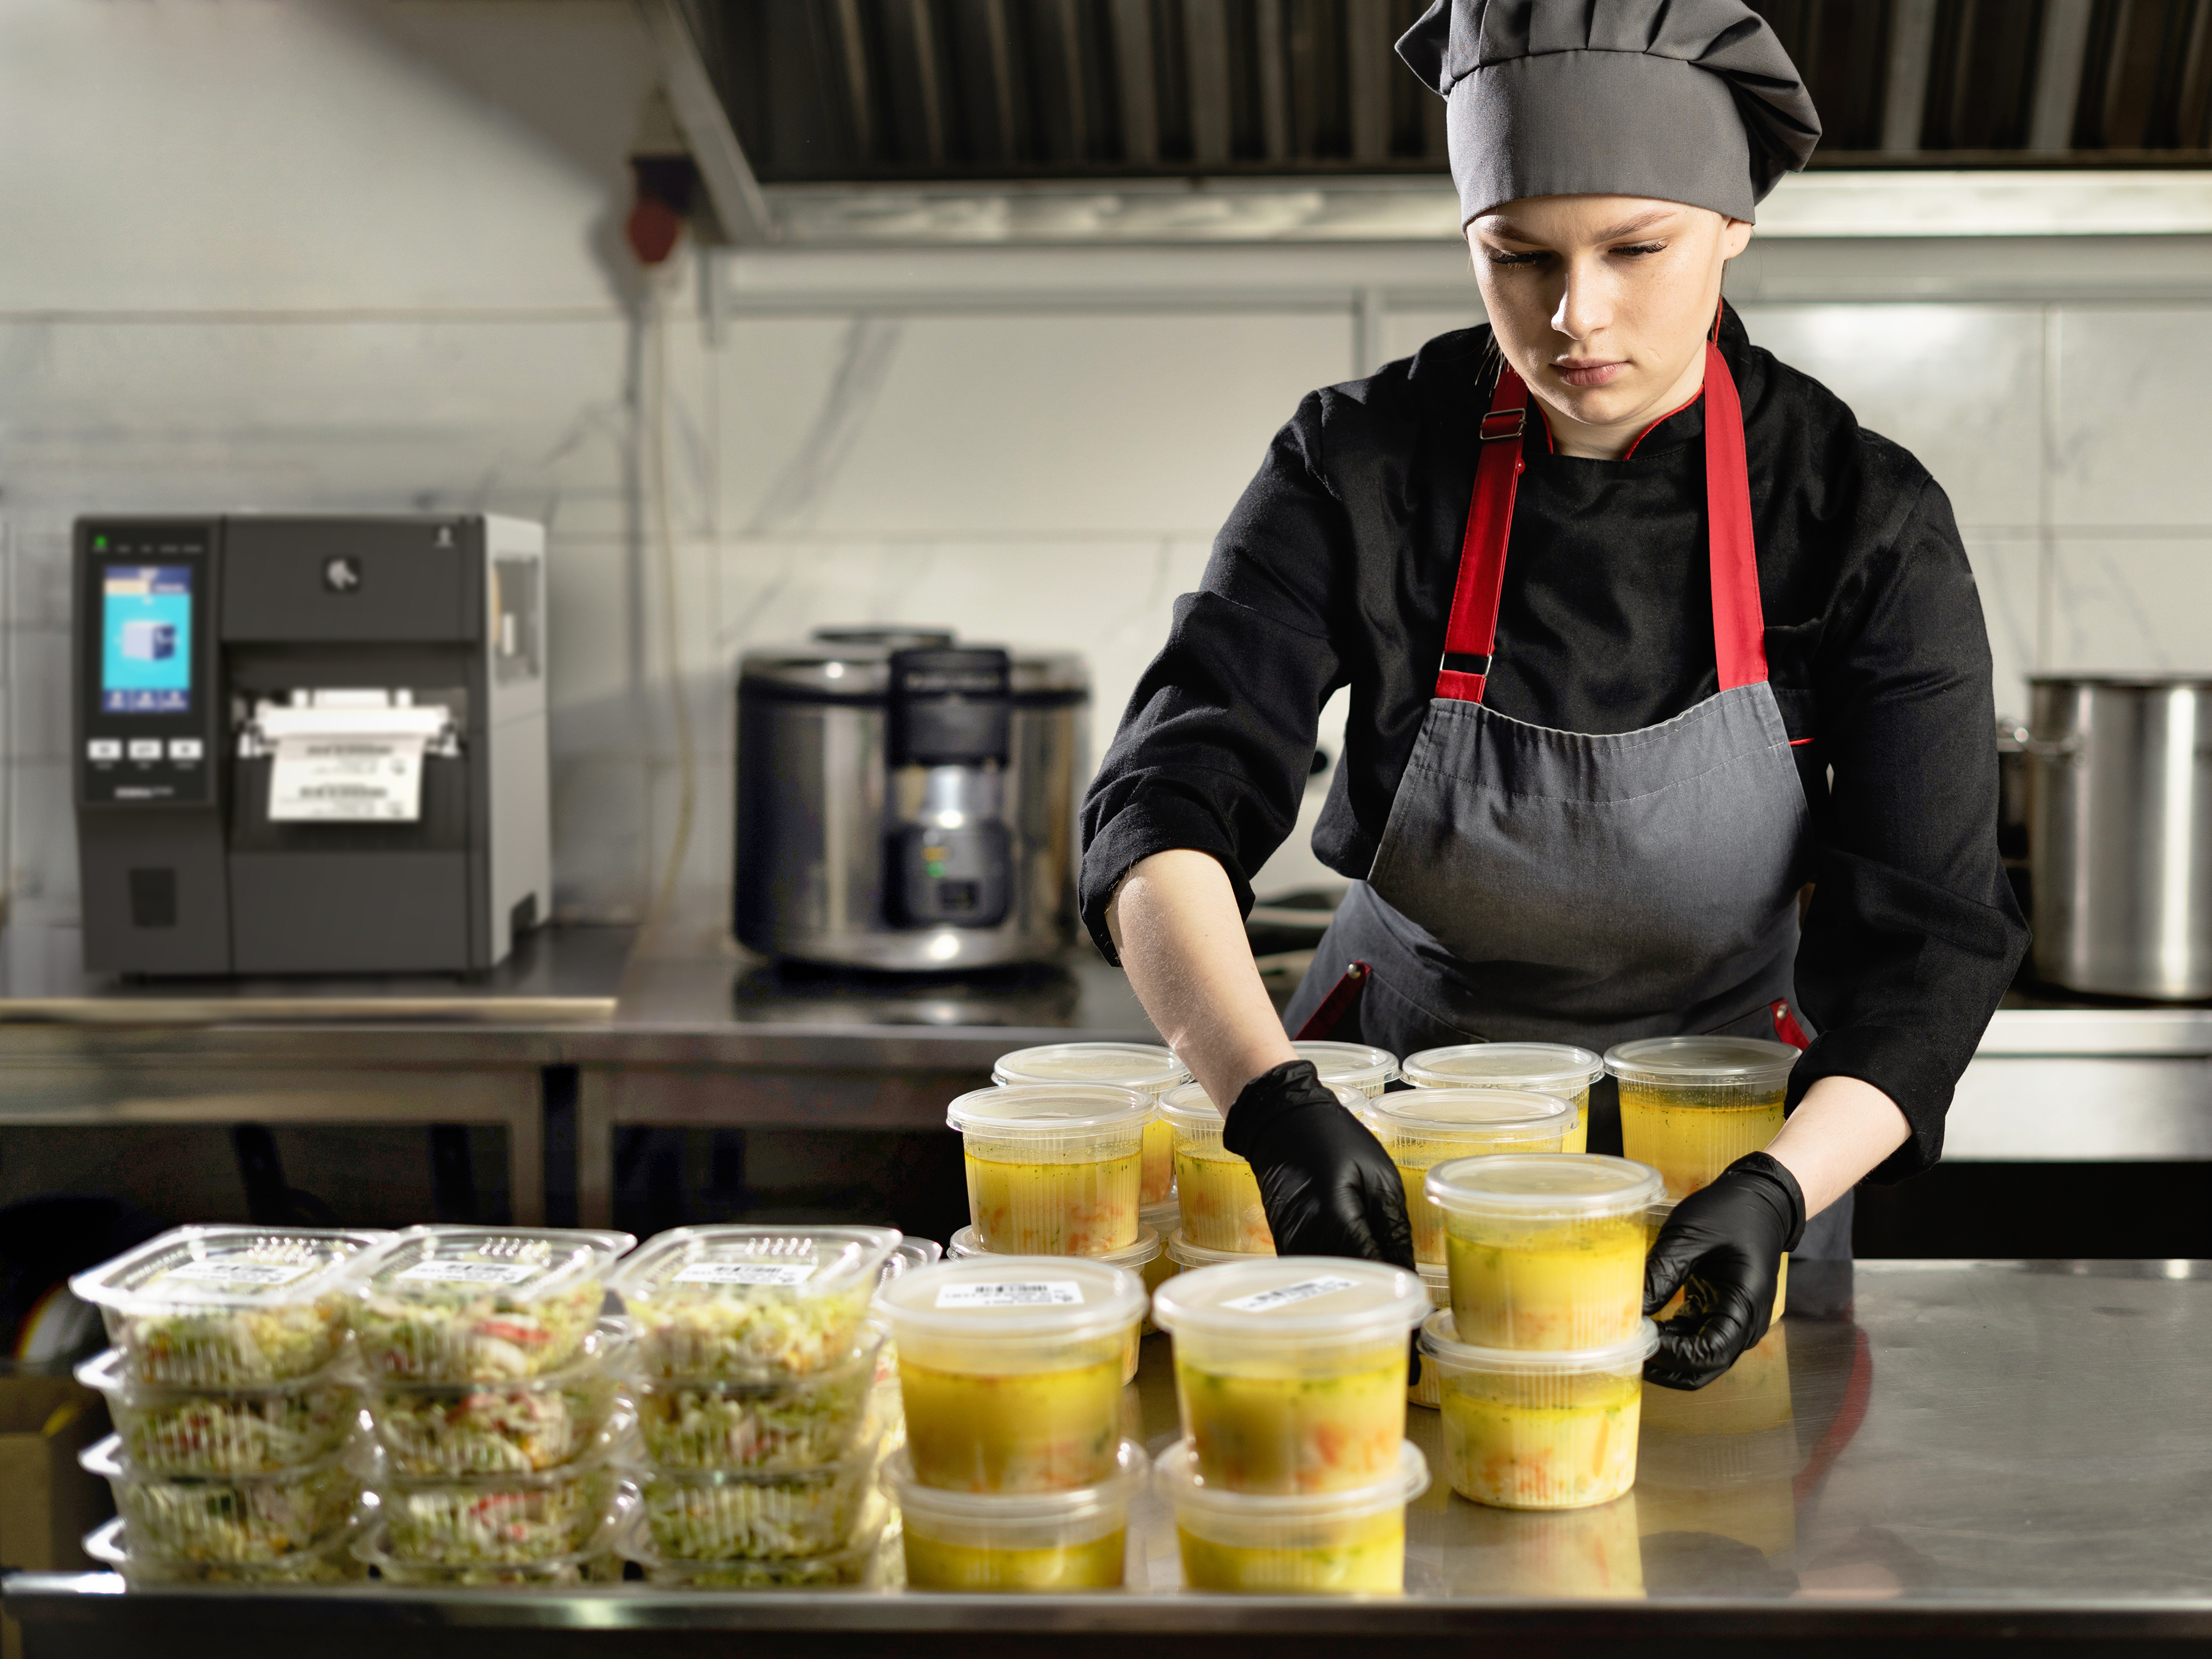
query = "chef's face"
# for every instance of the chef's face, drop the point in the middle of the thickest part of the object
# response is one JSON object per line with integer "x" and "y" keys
{"x": 1602, "y": 303}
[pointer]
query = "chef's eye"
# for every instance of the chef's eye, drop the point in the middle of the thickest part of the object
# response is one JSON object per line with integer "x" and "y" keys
{"x": 1499, "y": 256}
{"x": 1641, "y": 248}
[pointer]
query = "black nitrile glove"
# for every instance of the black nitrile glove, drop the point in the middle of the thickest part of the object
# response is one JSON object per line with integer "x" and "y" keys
{"x": 1328, "y": 1187}
{"x": 1723, "y": 1249}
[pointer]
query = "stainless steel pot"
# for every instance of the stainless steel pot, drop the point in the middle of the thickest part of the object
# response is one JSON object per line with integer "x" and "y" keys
{"x": 908, "y": 803}
{"x": 2120, "y": 833}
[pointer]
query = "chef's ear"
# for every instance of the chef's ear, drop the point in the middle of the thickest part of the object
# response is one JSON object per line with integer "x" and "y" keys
{"x": 1736, "y": 236}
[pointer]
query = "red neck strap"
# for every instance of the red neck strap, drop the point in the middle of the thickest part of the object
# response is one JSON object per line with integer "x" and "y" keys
{"x": 1739, "y": 625}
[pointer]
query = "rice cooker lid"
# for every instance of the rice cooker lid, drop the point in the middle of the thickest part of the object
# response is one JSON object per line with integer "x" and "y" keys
{"x": 853, "y": 664}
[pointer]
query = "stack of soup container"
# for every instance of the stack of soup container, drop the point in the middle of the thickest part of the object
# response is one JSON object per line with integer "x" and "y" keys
{"x": 1015, "y": 1475}
{"x": 240, "y": 1453}
{"x": 496, "y": 1392}
{"x": 1540, "y": 1357}
{"x": 1294, "y": 1470}
{"x": 756, "y": 1395}
{"x": 1544, "y": 1068}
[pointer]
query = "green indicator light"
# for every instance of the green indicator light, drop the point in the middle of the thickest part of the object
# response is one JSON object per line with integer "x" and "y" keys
{"x": 99, "y": 544}
{"x": 934, "y": 870}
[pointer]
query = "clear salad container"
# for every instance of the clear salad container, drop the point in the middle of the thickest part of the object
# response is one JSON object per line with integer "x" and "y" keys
{"x": 1526, "y": 1429}
{"x": 1691, "y": 1106}
{"x": 331, "y": 1562}
{"x": 1145, "y": 1066}
{"x": 740, "y": 1303}
{"x": 595, "y": 1563}
{"x": 480, "y": 1304}
{"x": 228, "y": 1307}
{"x": 776, "y": 1423}
{"x": 1655, "y": 1218}
{"x": 227, "y": 1431}
{"x": 1217, "y": 1195}
{"x": 1052, "y": 1540}
{"x": 230, "y": 1519}
{"x": 1138, "y": 1259}
{"x": 1352, "y": 1066}
{"x": 521, "y": 1427}
{"x": 1053, "y": 1169}
{"x": 1545, "y": 1251}
{"x": 736, "y": 1514}
{"x": 1435, "y": 1279}
{"x": 1423, "y": 1127}
{"x": 1544, "y": 1068}
{"x": 1010, "y": 1369}
{"x": 1291, "y": 1372}
{"x": 491, "y": 1520}
{"x": 852, "y": 1566}
{"x": 908, "y": 1255}
{"x": 1349, "y": 1542}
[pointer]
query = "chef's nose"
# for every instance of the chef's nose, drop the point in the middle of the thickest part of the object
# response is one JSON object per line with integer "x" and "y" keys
{"x": 1585, "y": 305}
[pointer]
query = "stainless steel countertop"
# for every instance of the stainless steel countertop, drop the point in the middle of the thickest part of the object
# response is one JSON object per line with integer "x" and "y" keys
{"x": 1945, "y": 1448}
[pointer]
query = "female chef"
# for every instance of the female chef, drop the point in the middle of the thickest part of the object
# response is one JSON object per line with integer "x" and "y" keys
{"x": 1643, "y": 632}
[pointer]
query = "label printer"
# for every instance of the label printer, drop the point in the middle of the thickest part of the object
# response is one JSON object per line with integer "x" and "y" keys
{"x": 309, "y": 745}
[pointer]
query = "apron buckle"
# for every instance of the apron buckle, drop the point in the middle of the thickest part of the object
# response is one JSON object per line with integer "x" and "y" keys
{"x": 1502, "y": 425}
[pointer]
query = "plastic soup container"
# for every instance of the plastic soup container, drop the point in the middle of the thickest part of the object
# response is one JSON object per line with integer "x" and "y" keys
{"x": 1011, "y": 1368}
{"x": 1545, "y": 1068}
{"x": 480, "y": 1304}
{"x": 1539, "y": 1430}
{"x": 228, "y": 1307}
{"x": 1149, "y": 1069}
{"x": 1052, "y": 1540}
{"x": 1334, "y": 1543}
{"x": 1352, "y": 1066}
{"x": 1216, "y": 1192}
{"x": 740, "y": 1304}
{"x": 227, "y": 1431}
{"x": 1545, "y": 1252}
{"x": 1691, "y": 1106}
{"x": 1422, "y": 1128}
{"x": 1053, "y": 1169}
{"x": 1435, "y": 1279}
{"x": 1138, "y": 1259}
{"x": 1291, "y": 1371}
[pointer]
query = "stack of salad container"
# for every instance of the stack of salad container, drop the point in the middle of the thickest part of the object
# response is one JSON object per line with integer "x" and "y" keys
{"x": 239, "y": 1454}
{"x": 495, "y": 1393}
{"x": 1015, "y": 1475}
{"x": 1294, "y": 1471}
{"x": 756, "y": 1394}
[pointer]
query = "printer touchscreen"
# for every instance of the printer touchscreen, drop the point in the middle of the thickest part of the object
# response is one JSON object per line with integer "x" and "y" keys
{"x": 146, "y": 639}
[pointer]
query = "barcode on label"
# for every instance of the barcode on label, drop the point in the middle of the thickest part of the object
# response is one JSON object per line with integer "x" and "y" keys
{"x": 241, "y": 1272}
{"x": 1304, "y": 1291}
{"x": 746, "y": 1273}
{"x": 469, "y": 1273}
{"x": 1026, "y": 1293}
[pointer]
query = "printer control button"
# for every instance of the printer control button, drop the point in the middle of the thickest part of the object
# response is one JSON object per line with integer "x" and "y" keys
{"x": 145, "y": 749}
{"x": 103, "y": 749}
{"x": 183, "y": 749}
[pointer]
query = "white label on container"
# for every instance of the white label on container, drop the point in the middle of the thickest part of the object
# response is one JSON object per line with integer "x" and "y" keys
{"x": 241, "y": 1272}
{"x": 746, "y": 1273}
{"x": 1013, "y": 1293}
{"x": 1304, "y": 1291}
{"x": 435, "y": 1272}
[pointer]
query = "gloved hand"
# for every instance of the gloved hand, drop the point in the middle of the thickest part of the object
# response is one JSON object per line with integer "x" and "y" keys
{"x": 1328, "y": 1187}
{"x": 1722, "y": 1248}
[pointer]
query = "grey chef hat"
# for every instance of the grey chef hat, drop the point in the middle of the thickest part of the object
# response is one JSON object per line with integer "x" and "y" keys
{"x": 1683, "y": 101}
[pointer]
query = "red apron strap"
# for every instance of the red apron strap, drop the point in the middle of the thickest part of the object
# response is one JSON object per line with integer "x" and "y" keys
{"x": 1471, "y": 635}
{"x": 1739, "y": 623}
{"x": 1335, "y": 1007}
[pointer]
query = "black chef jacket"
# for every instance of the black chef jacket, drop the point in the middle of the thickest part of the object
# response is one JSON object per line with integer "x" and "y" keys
{"x": 1336, "y": 570}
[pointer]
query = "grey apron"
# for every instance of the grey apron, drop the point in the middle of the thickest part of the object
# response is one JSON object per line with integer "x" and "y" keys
{"x": 1538, "y": 885}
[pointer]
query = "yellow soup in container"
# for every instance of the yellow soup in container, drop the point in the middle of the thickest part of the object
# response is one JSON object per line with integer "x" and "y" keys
{"x": 1366, "y": 1072}
{"x": 1691, "y": 1106}
{"x": 1291, "y": 1372}
{"x": 1341, "y": 1543}
{"x": 1010, "y": 1369}
{"x": 1060, "y": 1541}
{"x": 1423, "y": 1127}
{"x": 1544, "y": 1068}
{"x": 1053, "y": 1168}
{"x": 1139, "y": 1258}
{"x": 1545, "y": 1251}
{"x": 1149, "y": 1069}
{"x": 1216, "y": 1192}
{"x": 1539, "y": 1430}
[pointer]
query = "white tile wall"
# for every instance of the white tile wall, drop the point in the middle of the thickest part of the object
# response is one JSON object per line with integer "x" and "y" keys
{"x": 2129, "y": 416}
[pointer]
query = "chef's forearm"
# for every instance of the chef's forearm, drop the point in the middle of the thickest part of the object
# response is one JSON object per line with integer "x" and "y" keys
{"x": 1841, "y": 1130}
{"x": 1176, "y": 925}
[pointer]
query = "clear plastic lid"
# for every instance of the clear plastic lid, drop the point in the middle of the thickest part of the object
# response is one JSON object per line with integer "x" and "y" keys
{"x": 948, "y": 1503}
{"x": 1703, "y": 1062}
{"x": 1440, "y": 1342}
{"x": 1268, "y": 1297}
{"x": 908, "y": 1255}
{"x": 1049, "y": 1111}
{"x": 1056, "y": 1298}
{"x": 1353, "y": 1065}
{"x": 520, "y": 1264}
{"x": 1176, "y": 1469}
{"x": 703, "y": 1263}
{"x": 1145, "y": 1066}
{"x": 1184, "y": 1253}
{"x": 109, "y": 1372}
{"x": 248, "y": 1268}
{"x": 1135, "y": 1257}
{"x": 1549, "y": 1068}
{"x": 1532, "y": 1186}
{"x": 1435, "y": 1279}
{"x": 1190, "y": 1107}
{"x": 1503, "y": 1116}
{"x": 1163, "y": 1218}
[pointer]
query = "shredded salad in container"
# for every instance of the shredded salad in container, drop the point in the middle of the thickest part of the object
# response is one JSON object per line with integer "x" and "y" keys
{"x": 786, "y": 1424}
{"x": 505, "y": 1428}
{"x": 234, "y": 1518}
{"x": 331, "y": 1562}
{"x": 246, "y": 1430}
{"x": 480, "y": 1304}
{"x": 488, "y": 1520}
{"x": 712, "y": 1514}
{"x": 740, "y": 1304}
